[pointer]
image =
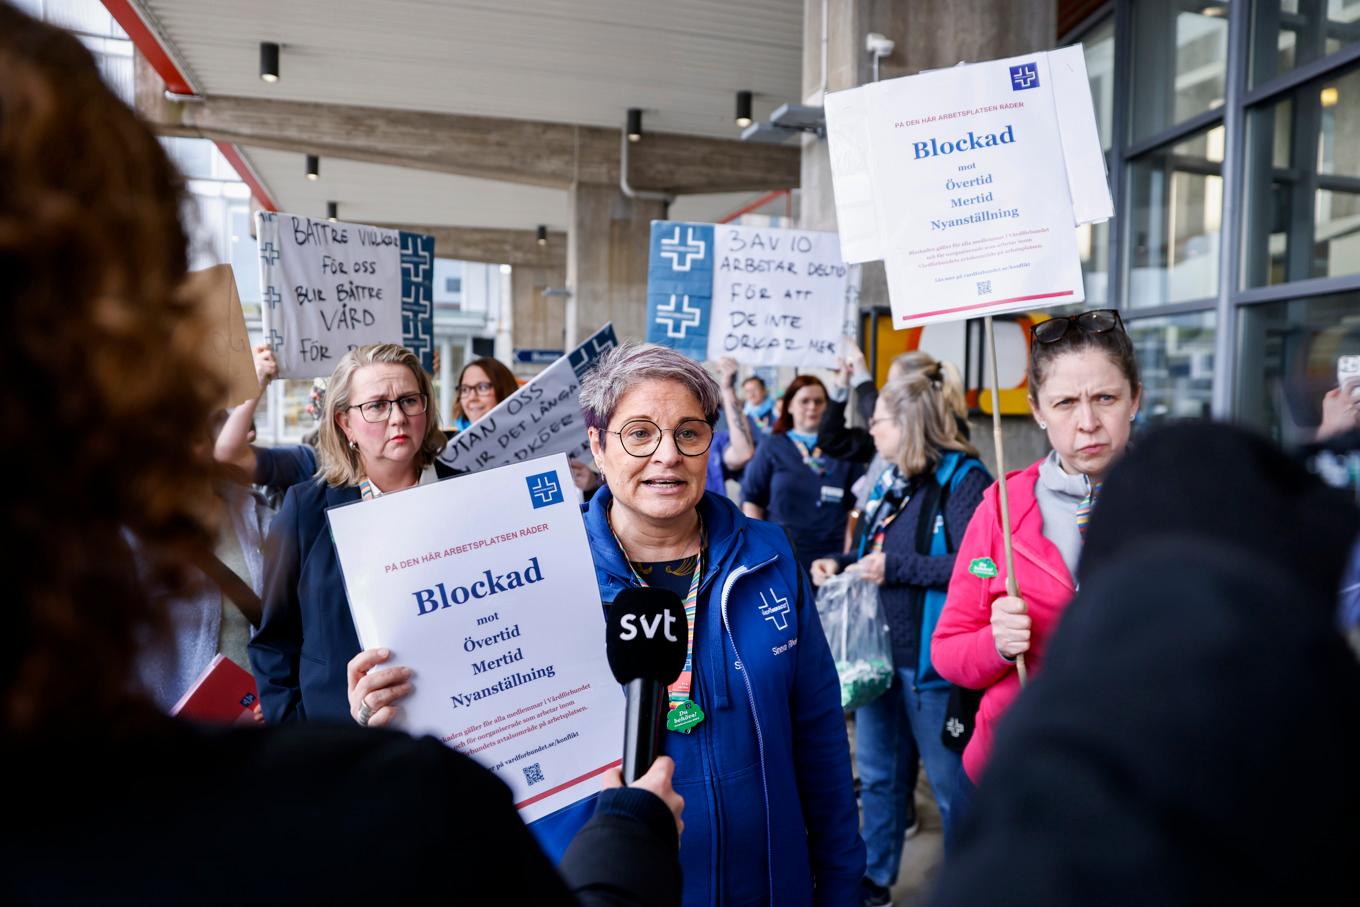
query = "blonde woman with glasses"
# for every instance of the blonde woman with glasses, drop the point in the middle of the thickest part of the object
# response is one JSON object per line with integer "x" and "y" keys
{"x": 377, "y": 437}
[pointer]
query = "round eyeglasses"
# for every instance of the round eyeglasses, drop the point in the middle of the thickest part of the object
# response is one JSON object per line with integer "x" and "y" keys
{"x": 379, "y": 410}
{"x": 642, "y": 437}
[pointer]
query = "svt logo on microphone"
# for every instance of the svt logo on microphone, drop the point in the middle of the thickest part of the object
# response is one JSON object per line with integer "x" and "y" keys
{"x": 629, "y": 623}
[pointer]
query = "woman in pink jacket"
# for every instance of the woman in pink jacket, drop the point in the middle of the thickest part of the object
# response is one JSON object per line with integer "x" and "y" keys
{"x": 1084, "y": 392}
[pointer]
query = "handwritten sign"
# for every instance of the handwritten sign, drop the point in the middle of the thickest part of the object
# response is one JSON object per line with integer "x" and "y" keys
{"x": 764, "y": 296}
{"x": 228, "y": 350}
{"x": 485, "y": 587}
{"x": 543, "y": 417}
{"x": 329, "y": 287}
{"x": 978, "y": 176}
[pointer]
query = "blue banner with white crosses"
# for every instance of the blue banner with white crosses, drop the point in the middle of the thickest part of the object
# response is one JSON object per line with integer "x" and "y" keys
{"x": 680, "y": 286}
{"x": 765, "y": 296}
{"x": 417, "y": 296}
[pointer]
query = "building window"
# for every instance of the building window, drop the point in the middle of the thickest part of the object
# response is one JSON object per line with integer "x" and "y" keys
{"x": 1176, "y": 366}
{"x": 1288, "y": 358}
{"x": 1304, "y": 183}
{"x": 1286, "y": 35}
{"x": 1175, "y": 203}
{"x": 1180, "y": 53}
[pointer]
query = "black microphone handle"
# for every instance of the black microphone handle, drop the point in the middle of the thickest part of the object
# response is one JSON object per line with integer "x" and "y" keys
{"x": 644, "y": 727}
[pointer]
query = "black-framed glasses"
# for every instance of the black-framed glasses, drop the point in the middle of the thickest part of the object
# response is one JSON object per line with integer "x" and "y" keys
{"x": 1096, "y": 321}
{"x": 379, "y": 410}
{"x": 642, "y": 437}
{"x": 481, "y": 389}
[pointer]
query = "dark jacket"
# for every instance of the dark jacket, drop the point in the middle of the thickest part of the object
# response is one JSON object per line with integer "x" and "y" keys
{"x": 771, "y": 759}
{"x": 307, "y": 635}
{"x": 175, "y": 814}
{"x": 838, "y": 438}
{"x": 1199, "y": 662}
{"x": 908, "y": 573}
{"x": 812, "y": 508}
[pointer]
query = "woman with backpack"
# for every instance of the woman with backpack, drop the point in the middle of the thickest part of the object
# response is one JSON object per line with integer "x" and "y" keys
{"x": 915, "y": 516}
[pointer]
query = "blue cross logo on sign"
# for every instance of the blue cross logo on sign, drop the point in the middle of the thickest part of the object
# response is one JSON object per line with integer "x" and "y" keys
{"x": 775, "y": 610}
{"x": 690, "y": 250}
{"x": 678, "y": 313}
{"x": 544, "y": 489}
{"x": 273, "y": 297}
{"x": 1026, "y": 75}
{"x": 270, "y": 253}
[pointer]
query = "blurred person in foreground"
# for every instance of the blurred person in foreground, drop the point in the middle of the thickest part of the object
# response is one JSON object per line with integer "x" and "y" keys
{"x": 1084, "y": 392}
{"x": 765, "y": 772}
{"x": 1195, "y": 693}
{"x": 118, "y": 803}
{"x": 919, "y": 510}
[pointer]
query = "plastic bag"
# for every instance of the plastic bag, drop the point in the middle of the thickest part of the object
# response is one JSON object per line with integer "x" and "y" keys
{"x": 848, "y": 607}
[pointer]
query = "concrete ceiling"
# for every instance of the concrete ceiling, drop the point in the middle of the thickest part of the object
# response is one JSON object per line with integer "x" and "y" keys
{"x": 565, "y": 61}
{"x": 376, "y": 193}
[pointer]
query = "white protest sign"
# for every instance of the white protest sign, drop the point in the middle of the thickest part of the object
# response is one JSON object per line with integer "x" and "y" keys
{"x": 778, "y": 297}
{"x": 327, "y": 287}
{"x": 542, "y": 417}
{"x": 485, "y": 587}
{"x": 979, "y": 175}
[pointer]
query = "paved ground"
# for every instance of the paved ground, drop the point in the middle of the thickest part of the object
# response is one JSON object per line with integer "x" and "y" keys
{"x": 922, "y": 854}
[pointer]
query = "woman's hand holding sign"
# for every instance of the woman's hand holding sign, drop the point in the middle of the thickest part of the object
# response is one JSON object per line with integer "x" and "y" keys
{"x": 373, "y": 691}
{"x": 1010, "y": 626}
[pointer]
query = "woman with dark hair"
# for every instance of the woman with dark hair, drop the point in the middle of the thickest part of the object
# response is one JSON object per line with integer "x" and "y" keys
{"x": 917, "y": 514}
{"x": 482, "y": 385}
{"x": 115, "y": 516}
{"x": 793, "y": 482}
{"x": 1084, "y": 392}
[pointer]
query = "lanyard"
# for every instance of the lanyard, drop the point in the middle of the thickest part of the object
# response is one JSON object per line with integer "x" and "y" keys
{"x": 680, "y": 690}
{"x": 811, "y": 458}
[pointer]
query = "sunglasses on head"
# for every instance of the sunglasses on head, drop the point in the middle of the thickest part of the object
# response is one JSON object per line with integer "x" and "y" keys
{"x": 1096, "y": 321}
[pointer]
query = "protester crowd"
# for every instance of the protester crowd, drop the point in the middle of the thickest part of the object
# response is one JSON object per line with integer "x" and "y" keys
{"x": 1098, "y": 716}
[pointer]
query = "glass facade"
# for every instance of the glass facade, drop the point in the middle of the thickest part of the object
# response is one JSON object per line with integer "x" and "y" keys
{"x": 1183, "y": 49}
{"x": 1303, "y": 164}
{"x": 1176, "y": 364}
{"x": 1294, "y": 347}
{"x": 1176, "y": 204}
{"x": 1232, "y": 131}
{"x": 1287, "y": 35}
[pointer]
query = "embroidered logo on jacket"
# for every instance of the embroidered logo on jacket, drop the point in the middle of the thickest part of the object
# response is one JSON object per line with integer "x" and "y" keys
{"x": 775, "y": 609}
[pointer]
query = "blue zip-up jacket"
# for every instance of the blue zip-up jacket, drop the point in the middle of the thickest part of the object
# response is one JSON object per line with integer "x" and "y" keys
{"x": 772, "y": 753}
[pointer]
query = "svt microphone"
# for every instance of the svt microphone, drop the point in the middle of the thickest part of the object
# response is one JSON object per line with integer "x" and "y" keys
{"x": 646, "y": 638}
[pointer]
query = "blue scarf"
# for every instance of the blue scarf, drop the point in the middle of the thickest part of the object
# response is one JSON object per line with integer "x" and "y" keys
{"x": 759, "y": 411}
{"x": 461, "y": 423}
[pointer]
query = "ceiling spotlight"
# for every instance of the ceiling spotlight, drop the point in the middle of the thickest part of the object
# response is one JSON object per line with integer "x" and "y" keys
{"x": 313, "y": 167}
{"x": 269, "y": 61}
{"x": 743, "y": 109}
{"x": 332, "y": 211}
{"x": 542, "y": 235}
{"x": 634, "y": 124}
